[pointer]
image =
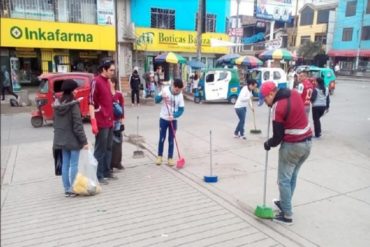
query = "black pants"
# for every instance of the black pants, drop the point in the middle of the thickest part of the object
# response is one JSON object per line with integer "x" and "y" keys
{"x": 10, "y": 91}
{"x": 135, "y": 92}
{"x": 116, "y": 155}
{"x": 103, "y": 152}
{"x": 317, "y": 113}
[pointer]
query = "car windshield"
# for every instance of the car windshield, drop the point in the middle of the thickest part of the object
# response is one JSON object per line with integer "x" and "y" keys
{"x": 44, "y": 87}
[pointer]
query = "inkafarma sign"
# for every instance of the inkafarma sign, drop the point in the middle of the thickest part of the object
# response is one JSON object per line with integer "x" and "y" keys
{"x": 37, "y": 34}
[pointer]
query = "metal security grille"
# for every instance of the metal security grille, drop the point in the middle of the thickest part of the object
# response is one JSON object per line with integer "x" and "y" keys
{"x": 162, "y": 18}
{"x": 32, "y": 9}
{"x": 210, "y": 23}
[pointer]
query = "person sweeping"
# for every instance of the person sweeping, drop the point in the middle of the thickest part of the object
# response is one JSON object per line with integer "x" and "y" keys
{"x": 292, "y": 131}
{"x": 241, "y": 104}
{"x": 172, "y": 108}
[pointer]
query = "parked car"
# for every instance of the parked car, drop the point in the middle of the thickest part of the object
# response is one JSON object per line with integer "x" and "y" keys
{"x": 218, "y": 84}
{"x": 50, "y": 89}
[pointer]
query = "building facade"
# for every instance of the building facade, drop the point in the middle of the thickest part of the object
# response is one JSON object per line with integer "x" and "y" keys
{"x": 170, "y": 26}
{"x": 40, "y": 36}
{"x": 351, "y": 43}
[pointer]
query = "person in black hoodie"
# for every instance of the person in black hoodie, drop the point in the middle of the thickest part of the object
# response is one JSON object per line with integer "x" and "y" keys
{"x": 320, "y": 104}
{"x": 69, "y": 134}
{"x": 135, "y": 87}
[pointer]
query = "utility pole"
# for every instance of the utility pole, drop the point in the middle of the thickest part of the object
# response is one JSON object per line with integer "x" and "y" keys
{"x": 237, "y": 39}
{"x": 295, "y": 23}
{"x": 359, "y": 34}
{"x": 199, "y": 30}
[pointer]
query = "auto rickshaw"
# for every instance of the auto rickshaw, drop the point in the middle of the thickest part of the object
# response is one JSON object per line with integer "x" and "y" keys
{"x": 262, "y": 74}
{"x": 218, "y": 84}
{"x": 50, "y": 89}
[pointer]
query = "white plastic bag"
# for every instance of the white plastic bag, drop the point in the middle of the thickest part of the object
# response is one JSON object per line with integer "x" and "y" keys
{"x": 86, "y": 182}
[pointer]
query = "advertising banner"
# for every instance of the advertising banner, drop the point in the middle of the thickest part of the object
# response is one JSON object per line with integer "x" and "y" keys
{"x": 40, "y": 34}
{"x": 105, "y": 12}
{"x": 153, "y": 39}
{"x": 278, "y": 10}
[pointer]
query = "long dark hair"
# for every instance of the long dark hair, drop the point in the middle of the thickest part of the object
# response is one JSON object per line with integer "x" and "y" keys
{"x": 67, "y": 97}
{"x": 321, "y": 84}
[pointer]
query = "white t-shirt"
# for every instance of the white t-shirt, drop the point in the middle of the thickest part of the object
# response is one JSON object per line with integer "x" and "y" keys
{"x": 243, "y": 98}
{"x": 173, "y": 104}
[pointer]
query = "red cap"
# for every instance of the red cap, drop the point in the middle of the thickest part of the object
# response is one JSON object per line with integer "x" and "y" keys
{"x": 267, "y": 87}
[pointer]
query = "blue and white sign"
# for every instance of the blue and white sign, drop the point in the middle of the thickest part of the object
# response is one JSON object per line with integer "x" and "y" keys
{"x": 278, "y": 10}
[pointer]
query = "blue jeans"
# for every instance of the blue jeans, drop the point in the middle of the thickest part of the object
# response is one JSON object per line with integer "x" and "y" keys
{"x": 69, "y": 168}
{"x": 163, "y": 126}
{"x": 291, "y": 158}
{"x": 103, "y": 151}
{"x": 241, "y": 112}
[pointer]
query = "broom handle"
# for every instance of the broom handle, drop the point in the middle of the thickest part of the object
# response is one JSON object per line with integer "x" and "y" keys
{"x": 210, "y": 149}
{"x": 254, "y": 119}
{"x": 266, "y": 160}
{"x": 137, "y": 132}
{"x": 173, "y": 131}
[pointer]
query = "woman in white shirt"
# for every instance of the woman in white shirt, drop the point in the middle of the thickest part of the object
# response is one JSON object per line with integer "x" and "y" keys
{"x": 244, "y": 98}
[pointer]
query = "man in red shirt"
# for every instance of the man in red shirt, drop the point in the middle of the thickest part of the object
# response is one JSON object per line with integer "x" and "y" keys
{"x": 291, "y": 129}
{"x": 305, "y": 88}
{"x": 101, "y": 115}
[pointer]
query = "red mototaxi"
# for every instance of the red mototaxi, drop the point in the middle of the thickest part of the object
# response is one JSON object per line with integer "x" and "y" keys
{"x": 50, "y": 89}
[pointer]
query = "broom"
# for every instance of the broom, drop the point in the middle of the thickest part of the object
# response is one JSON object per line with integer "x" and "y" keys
{"x": 255, "y": 130}
{"x": 180, "y": 161}
{"x": 262, "y": 211}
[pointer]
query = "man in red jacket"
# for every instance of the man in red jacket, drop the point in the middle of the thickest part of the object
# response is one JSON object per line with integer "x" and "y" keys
{"x": 305, "y": 88}
{"x": 101, "y": 115}
{"x": 291, "y": 129}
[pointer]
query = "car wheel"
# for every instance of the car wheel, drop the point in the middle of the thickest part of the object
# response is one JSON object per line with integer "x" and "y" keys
{"x": 37, "y": 121}
{"x": 233, "y": 99}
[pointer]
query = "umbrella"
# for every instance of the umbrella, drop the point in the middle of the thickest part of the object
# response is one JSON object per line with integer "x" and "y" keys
{"x": 277, "y": 54}
{"x": 248, "y": 61}
{"x": 169, "y": 57}
{"x": 196, "y": 64}
{"x": 227, "y": 58}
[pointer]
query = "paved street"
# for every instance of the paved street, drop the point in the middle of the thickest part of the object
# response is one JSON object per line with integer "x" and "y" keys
{"x": 162, "y": 206}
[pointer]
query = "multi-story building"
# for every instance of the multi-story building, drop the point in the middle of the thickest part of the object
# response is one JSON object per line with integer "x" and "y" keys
{"x": 55, "y": 35}
{"x": 351, "y": 44}
{"x": 313, "y": 23}
{"x": 170, "y": 26}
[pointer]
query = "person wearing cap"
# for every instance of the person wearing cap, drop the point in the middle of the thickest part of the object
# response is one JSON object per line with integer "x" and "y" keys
{"x": 101, "y": 116}
{"x": 69, "y": 134}
{"x": 305, "y": 88}
{"x": 244, "y": 99}
{"x": 291, "y": 129}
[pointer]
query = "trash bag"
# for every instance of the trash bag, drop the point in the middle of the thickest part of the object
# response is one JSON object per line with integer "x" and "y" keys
{"x": 86, "y": 182}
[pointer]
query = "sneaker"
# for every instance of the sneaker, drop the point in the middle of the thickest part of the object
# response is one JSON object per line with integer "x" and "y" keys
{"x": 243, "y": 137}
{"x": 171, "y": 162}
{"x": 158, "y": 161}
{"x": 103, "y": 181}
{"x": 280, "y": 218}
{"x": 277, "y": 204}
{"x": 66, "y": 194}
{"x": 71, "y": 194}
{"x": 236, "y": 136}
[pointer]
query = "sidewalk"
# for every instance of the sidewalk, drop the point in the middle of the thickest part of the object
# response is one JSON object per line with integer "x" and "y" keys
{"x": 147, "y": 206}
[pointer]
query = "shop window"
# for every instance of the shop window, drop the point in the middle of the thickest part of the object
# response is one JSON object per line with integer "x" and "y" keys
{"x": 306, "y": 16}
{"x": 365, "y": 33}
{"x": 351, "y": 8}
{"x": 368, "y": 7}
{"x": 347, "y": 34}
{"x": 162, "y": 18}
{"x": 32, "y": 9}
{"x": 210, "y": 23}
{"x": 323, "y": 16}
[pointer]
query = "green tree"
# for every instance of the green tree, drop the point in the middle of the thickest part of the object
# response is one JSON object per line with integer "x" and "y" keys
{"x": 310, "y": 49}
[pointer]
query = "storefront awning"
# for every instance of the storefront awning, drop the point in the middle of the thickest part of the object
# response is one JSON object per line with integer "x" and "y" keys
{"x": 348, "y": 53}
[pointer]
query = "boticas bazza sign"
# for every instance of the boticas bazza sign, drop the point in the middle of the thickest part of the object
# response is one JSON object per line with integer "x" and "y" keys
{"x": 152, "y": 39}
{"x": 40, "y": 34}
